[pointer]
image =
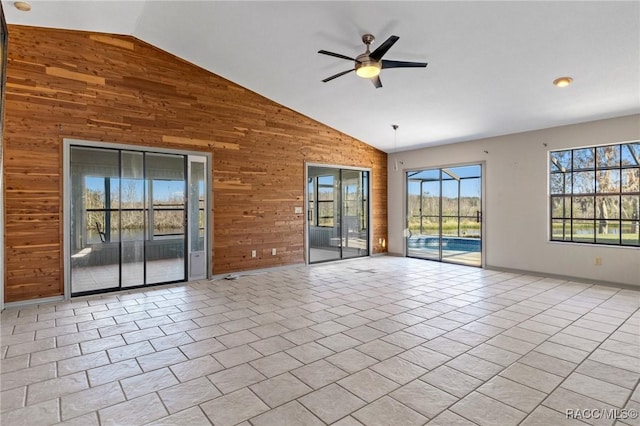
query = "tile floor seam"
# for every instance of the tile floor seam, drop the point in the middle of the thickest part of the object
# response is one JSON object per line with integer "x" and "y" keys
{"x": 441, "y": 390}
{"x": 490, "y": 397}
{"x": 157, "y": 393}
{"x": 447, "y": 409}
{"x": 506, "y": 403}
{"x": 388, "y": 394}
{"x": 279, "y": 405}
{"x": 347, "y": 415}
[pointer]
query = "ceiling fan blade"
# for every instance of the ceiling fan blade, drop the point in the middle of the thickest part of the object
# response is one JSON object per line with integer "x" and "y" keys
{"x": 376, "y": 81}
{"x": 382, "y": 49}
{"x": 403, "y": 64}
{"x": 336, "y": 55}
{"x": 337, "y": 75}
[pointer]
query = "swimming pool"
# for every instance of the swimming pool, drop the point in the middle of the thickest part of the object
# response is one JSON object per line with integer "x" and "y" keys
{"x": 448, "y": 243}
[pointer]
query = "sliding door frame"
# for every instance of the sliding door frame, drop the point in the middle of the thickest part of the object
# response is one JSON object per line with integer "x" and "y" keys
{"x": 66, "y": 200}
{"x": 307, "y": 165}
{"x": 483, "y": 205}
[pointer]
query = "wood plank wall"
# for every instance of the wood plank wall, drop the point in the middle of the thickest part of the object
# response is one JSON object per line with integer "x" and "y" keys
{"x": 98, "y": 87}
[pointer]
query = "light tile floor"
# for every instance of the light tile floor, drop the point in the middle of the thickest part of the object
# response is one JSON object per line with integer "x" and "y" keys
{"x": 376, "y": 341}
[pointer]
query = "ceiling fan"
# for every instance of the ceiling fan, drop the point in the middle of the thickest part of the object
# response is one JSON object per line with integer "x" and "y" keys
{"x": 369, "y": 64}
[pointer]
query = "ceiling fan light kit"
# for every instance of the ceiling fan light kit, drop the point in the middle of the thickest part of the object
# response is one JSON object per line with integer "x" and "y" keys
{"x": 562, "y": 81}
{"x": 369, "y": 64}
{"x": 368, "y": 69}
{"x": 22, "y": 6}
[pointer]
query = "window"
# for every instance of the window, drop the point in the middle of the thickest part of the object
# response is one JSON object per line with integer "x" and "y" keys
{"x": 595, "y": 194}
{"x": 167, "y": 211}
{"x": 326, "y": 197}
{"x": 101, "y": 196}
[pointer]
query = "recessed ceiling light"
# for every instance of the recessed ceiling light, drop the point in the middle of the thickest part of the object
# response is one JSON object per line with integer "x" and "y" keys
{"x": 562, "y": 81}
{"x": 22, "y": 6}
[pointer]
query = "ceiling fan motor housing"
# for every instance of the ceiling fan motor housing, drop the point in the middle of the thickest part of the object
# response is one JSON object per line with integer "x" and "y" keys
{"x": 367, "y": 67}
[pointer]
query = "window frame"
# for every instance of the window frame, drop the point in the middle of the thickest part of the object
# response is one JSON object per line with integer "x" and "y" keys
{"x": 592, "y": 179}
{"x": 325, "y": 221}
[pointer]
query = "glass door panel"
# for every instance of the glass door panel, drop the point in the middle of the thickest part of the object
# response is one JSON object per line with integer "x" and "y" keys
{"x": 414, "y": 207}
{"x": 355, "y": 233}
{"x": 468, "y": 244}
{"x": 337, "y": 213}
{"x": 94, "y": 240}
{"x": 447, "y": 223}
{"x": 471, "y": 218}
{"x": 324, "y": 235}
{"x": 423, "y": 206}
{"x": 197, "y": 222}
{"x": 164, "y": 249}
{"x": 133, "y": 217}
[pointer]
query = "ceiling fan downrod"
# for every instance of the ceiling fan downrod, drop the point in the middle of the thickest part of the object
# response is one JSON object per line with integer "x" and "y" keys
{"x": 368, "y": 39}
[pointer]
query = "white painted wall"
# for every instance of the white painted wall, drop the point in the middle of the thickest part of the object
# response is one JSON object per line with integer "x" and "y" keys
{"x": 516, "y": 201}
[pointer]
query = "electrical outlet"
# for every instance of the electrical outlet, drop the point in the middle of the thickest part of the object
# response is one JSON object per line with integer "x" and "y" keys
{"x": 273, "y": 252}
{"x": 297, "y": 210}
{"x": 598, "y": 261}
{"x": 254, "y": 253}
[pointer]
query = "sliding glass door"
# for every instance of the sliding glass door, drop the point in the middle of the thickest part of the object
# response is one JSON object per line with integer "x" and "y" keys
{"x": 355, "y": 213}
{"x": 337, "y": 213}
{"x": 130, "y": 218}
{"x": 166, "y": 239}
{"x": 444, "y": 219}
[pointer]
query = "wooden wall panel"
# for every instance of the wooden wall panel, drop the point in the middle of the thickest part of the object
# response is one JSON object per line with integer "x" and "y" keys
{"x": 99, "y": 87}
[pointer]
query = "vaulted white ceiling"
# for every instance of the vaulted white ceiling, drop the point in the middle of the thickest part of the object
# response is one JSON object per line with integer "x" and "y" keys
{"x": 490, "y": 72}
